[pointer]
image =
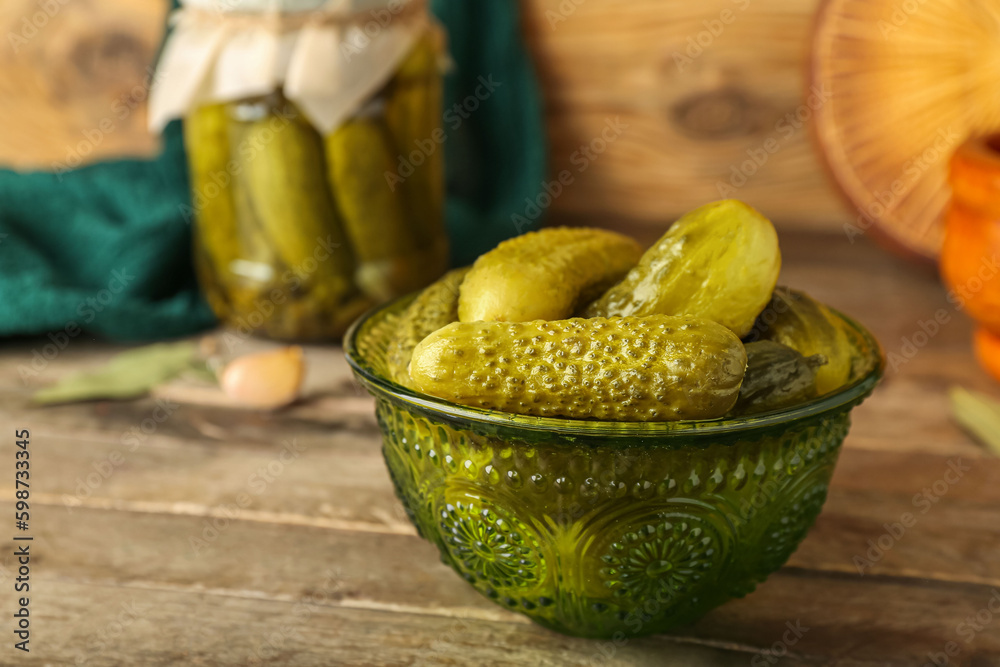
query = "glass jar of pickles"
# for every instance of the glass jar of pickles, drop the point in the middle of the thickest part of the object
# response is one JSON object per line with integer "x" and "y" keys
{"x": 308, "y": 207}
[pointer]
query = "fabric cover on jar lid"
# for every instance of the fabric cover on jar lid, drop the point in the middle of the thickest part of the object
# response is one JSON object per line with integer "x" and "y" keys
{"x": 327, "y": 56}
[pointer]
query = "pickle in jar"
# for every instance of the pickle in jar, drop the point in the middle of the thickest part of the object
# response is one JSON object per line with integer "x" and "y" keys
{"x": 206, "y": 136}
{"x": 282, "y": 194}
{"x": 390, "y": 261}
{"x": 413, "y": 113}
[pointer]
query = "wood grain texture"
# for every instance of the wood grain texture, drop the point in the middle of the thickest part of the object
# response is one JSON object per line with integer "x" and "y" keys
{"x": 74, "y": 78}
{"x": 211, "y": 627}
{"x": 684, "y": 128}
{"x": 690, "y": 124}
{"x": 321, "y": 567}
{"x": 878, "y": 618}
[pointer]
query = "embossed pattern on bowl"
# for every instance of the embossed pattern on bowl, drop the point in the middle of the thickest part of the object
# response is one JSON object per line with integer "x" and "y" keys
{"x": 604, "y": 529}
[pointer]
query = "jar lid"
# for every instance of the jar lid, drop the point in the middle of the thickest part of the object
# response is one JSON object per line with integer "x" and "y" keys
{"x": 255, "y": 5}
{"x": 327, "y": 56}
{"x": 284, "y": 6}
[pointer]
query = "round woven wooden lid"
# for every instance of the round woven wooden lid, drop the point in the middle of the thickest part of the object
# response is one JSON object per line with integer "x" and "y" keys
{"x": 906, "y": 82}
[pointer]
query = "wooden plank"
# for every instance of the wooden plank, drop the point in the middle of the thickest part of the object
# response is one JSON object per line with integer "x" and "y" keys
{"x": 231, "y": 552}
{"x": 341, "y": 483}
{"x": 872, "y": 534}
{"x": 652, "y": 173}
{"x": 30, "y": 363}
{"x": 75, "y": 80}
{"x": 333, "y": 505}
{"x": 903, "y": 476}
{"x": 690, "y": 125}
{"x": 899, "y": 622}
{"x": 950, "y": 534}
{"x": 127, "y": 625}
{"x": 874, "y": 619}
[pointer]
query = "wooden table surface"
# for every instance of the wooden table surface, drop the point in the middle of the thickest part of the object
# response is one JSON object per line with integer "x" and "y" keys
{"x": 142, "y": 554}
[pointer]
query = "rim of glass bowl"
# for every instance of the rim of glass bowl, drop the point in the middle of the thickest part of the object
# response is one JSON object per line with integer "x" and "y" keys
{"x": 846, "y": 397}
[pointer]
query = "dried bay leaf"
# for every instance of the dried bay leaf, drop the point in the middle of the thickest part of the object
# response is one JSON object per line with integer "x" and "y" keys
{"x": 979, "y": 415}
{"x": 128, "y": 375}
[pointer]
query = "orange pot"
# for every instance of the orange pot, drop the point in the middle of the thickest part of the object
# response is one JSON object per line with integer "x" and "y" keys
{"x": 970, "y": 258}
{"x": 988, "y": 351}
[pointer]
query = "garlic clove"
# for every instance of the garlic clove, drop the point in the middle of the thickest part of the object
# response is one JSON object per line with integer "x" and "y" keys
{"x": 265, "y": 380}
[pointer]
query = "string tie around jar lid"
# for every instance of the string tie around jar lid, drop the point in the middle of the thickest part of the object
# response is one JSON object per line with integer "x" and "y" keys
{"x": 328, "y": 57}
{"x": 284, "y": 20}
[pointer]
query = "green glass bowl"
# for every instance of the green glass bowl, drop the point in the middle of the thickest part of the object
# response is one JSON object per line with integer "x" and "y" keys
{"x": 608, "y": 529}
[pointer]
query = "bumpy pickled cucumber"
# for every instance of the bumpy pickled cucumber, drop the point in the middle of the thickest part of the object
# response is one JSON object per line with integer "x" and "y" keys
{"x": 657, "y": 368}
{"x": 804, "y": 324}
{"x": 544, "y": 275}
{"x": 437, "y": 306}
{"x": 413, "y": 114}
{"x": 777, "y": 377}
{"x": 206, "y": 137}
{"x": 720, "y": 262}
{"x": 390, "y": 261}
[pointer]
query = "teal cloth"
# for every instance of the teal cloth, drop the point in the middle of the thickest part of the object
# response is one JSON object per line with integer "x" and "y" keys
{"x": 495, "y": 160}
{"x": 105, "y": 248}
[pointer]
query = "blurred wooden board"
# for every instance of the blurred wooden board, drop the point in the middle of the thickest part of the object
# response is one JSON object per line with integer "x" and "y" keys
{"x": 138, "y": 529}
{"x": 698, "y": 90}
{"x": 74, "y": 78}
{"x": 704, "y": 88}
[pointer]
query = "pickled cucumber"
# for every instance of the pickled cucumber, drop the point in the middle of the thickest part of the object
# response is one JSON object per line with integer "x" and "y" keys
{"x": 390, "y": 261}
{"x": 413, "y": 115}
{"x": 657, "y": 368}
{"x": 720, "y": 262}
{"x": 291, "y": 199}
{"x": 777, "y": 377}
{"x": 436, "y": 307}
{"x": 544, "y": 275}
{"x": 259, "y": 261}
{"x": 272, "y": 250}
{"x": 423, "y": 57}
{"x": 806, "y": 325}
{"x": 288, "y": 226}
{"x": 206, "y": 137}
